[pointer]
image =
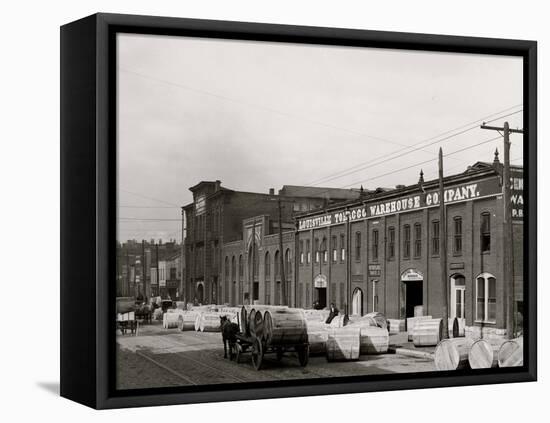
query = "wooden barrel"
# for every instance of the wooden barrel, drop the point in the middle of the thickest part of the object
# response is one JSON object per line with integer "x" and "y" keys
{"x": 210, "y": 322}
{"x": 510, "y": 353}
{"x": 285, "y": 326}
{"x": 427, "y": 332}
{"x": 186, "y": 321}
{"x": 418, "y": 311}
{"x": 411, "y": 323}
{"x": 396, "y": 325}
{"x": 343, "y": 343}
{"x": 457, "y": 327}
{"x": 483, "y": 354}
{"x": 317, "y": 335}
{"x": 452, "y": 354}
{"x": 373, "y": 340}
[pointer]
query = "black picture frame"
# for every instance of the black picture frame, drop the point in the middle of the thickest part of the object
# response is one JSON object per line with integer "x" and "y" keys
{"x": 88, "y": 169}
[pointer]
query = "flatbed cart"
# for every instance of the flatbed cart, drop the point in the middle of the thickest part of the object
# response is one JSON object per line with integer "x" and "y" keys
{"x": 258, "y": 347}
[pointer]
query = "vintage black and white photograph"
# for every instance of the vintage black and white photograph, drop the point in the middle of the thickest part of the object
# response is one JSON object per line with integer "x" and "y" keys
{"x": 291, "y": 211}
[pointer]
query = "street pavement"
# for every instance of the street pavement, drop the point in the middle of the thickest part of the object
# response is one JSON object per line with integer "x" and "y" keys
{"x": 159, "y": 357}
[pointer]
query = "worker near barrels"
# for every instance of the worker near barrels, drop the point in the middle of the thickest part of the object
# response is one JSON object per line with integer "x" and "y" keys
{"x": 333, "y": 313}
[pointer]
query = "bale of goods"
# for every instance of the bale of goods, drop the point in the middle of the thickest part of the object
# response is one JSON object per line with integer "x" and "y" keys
{"x": 258, "y": 324}
{"x": 339, "y": 321}
{"x": 170, "y": 320}
{"x": 284, "y": 326}
{"x": 186, "y": 321}
{"x": 317, "y": 335}
{"x": 198, "y": 320}
{"x": 379, "y": 318}
{"x": 252, "y": 321}
{"x": 180, "y": 305}
{"x": 427, "y": 332}
{"x": 373, "y": 340}
{"x": 243, "y": 321}
{"x": 510, "y": 353}
{"x": 316, "y": 315}
{"x": 396, "y": 326}
{"x": 411, "y": 323}
{"x": 210, "y": 322}
{"x": 457, "y": 327}
{"x": 418, "y": 311}
{"x": 483, "y": 354}
{"x": 452, "y": 354}
{"x": 229, "y": 310}
{"x": 157, "y": 314}
{"x": 125, "y": 304}
{"x": 343, "y": 343}
{"x": 363, "y": 321}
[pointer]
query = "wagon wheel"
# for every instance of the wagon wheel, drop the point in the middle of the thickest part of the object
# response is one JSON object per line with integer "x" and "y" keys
{"x": 303, "y": 355}
{"x": 279, "y": 353}
{"x": 257, "y": 354}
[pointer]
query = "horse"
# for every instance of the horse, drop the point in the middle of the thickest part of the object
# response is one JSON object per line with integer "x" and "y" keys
{"x": 228, "y": 330}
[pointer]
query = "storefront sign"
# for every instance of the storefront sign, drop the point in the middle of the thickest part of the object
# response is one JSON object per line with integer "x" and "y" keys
{"x": 412, "y": 275}
{"x": 320, "y": 281}
{"x": 516, "y": 194}
{"x": 374, "y": 270}
{"x": 456, "y": 266}
{"x": 455, "y": 194}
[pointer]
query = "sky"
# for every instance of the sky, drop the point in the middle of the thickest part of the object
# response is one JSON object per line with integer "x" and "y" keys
{"x": 260, "y": 115}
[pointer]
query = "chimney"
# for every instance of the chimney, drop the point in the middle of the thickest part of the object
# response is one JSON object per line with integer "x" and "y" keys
{"x": 496, "y": 161}
{"x": 217, "y": 185}
{"x": 271, "y": 191}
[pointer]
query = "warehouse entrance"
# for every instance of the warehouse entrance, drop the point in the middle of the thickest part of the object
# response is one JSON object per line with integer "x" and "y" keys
{"x": 412, "y": 292}
{"x": 320, "y": 284}
{"x": 321, "y": 297}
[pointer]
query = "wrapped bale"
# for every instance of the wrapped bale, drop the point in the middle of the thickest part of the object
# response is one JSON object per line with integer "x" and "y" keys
{"x": 411, "y": 323}
{"x": 452, "y": 354}
{"x": 427, "y": 332}
{"x": 186, "y": 321}
{"x": 483, "y": 354}
{"x": 316, "y": 315}
{"x": 395, "y": 326}
{"x": 284, "y": 326}
{"x": 339, "y": 321}
{"x": 170, "y": 319}
{"x": 379, "y": 318}
{"x": 317, "y": 335}
{"x": 510, "y": 353}
{"x": 343, "y": 343}
{"x": 158, "y": 314}
{"x": 457, "y": 327}
{"x": 373, "y": 340}
{"x": 210, "y": 322}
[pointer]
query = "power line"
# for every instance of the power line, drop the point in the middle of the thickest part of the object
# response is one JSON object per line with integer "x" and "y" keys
{"x": 148, "y": 207}
{"x": 149, "y": 198}
{"x": 148, "y": 219}
{"x": 361, "y": 166}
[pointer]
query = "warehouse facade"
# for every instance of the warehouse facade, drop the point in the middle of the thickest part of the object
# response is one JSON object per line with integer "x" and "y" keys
{"x": 382, "y": 253}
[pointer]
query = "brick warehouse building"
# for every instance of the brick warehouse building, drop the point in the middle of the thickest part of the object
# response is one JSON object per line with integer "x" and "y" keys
{"x": 382, "y": 253}
{"x": 215, "y": 219}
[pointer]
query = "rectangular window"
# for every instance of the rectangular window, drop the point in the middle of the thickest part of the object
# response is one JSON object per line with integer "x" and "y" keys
{"x": 457, "y": 240}
{"x": 301, "y": 252}
{"x": 334, "y": 250}
{"x": 435, "y": 238}
{"x": 485, "y": 233}
{"x": 391, "y": 243}
{"x": 308, "y": 251}
{"x": 417, "y": 240}
{"x": 486, "y": 299}
{"x": 375, "y": 244}
{"x": 407, "y": 241}
{"x": 358, "y": 246}
{"x": 316, "y": 250}
{"x": 342, "y": 248}
{"x": 324, "y": 250}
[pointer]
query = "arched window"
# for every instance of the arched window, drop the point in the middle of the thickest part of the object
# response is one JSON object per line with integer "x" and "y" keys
{"x": 253, "y": 261}
{"x": 357, "y": 302}
{"x": 233, "y": 269}
{"x": 267, "y": 267}
{"x": 486, "y": 298}
{"x": 485, "y": 232}
{"x": 226, "y": 267}
{"x": 240, "y": 268}
{"x": 226, "y": 280}
{"x": 288, "y": 264}
{"x": 277, "y": 265}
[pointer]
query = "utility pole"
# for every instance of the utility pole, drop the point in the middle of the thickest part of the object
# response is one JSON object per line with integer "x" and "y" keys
{"x": 144, "y": 269}
{"x": 157, "y": 251}
{"x": 509, "y": 289}
{"x": 443, "y": 247}
{"x": 251, "y": 280}
{"x": 281, "y": 258}
{"x": 182, "y": 286}
{"x": 127, "y": 272}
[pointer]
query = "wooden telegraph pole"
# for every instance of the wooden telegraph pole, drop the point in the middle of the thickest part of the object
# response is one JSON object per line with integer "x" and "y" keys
{"x": 443, "y": 248}
{"x": 182, "y": 258}
{"x": 281, "y": 255}
{"x": 508, "y": 254}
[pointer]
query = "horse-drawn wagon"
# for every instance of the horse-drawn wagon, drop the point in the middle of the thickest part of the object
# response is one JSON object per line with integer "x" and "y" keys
{"x": 271, "y": 329}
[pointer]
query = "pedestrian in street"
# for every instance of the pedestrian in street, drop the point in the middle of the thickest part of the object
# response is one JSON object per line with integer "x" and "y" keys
{"x": 333, "y": 313}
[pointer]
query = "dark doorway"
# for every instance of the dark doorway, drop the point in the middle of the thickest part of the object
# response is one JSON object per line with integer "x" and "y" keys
{"x": 200, "y": 294}
{"x": 256, "y": 291}
{"x": 321, "y": 297}
{"x": 413, "y": 296}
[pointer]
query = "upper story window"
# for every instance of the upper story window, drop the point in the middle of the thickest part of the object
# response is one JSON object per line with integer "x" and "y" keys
{"x": 267, "y": 266}
{"x": 302, "y": 252}
{"x": 457, "y": 235}
{"x": 391, "y": 243}
{"x": 277, "y": 265}
{"x": 308, "y": 251}
{"x": 417, "y": 240}
{"x": 407, "y": 241}
{"x": 324, "y": 250}
{"x": 486, "y": 301}
{"x": 375, "y": 241}
{"x": 342, "y": 248}
{"x": 317, "y": 252}
{"x": 435, "y": 237}
{"x": 358, "y": 246}
{"x": 485, "y": 232}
